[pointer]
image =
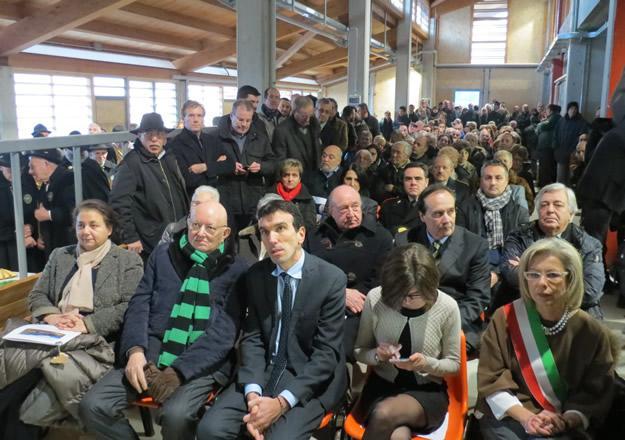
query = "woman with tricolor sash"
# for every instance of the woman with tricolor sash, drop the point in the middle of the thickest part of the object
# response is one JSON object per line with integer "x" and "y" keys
{"x": 546, "y": 366}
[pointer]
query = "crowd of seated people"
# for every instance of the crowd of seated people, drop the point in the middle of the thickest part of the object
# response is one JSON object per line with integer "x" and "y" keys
{"x": 378, "y": 242}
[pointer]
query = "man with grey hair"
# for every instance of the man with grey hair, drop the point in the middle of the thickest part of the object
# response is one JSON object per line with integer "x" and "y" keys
{"x": 251, "y": 162}
{"x": 390, "y": 182}
{"x": 555, "y": 207}
{"x": 298, "y": 136}
{"x": 202, "y": 194}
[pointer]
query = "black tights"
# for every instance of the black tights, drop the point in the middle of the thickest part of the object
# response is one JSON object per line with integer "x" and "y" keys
{"x": 394, "y": 418}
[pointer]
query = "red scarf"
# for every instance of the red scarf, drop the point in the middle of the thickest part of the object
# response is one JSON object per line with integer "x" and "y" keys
{"x": 286, "y": 194}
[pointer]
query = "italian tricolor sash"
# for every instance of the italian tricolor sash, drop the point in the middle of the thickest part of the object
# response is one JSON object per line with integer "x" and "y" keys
{"x": 538, "y": 366}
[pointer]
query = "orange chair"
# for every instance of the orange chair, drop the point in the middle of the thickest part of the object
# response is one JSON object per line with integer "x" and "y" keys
{"x": 458, "y": 392}
{"x": 146, "y": 403}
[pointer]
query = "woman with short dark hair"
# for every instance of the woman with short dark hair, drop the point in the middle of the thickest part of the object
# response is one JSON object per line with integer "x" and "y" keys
{"x": 83, "y": 288}
{"x": 410, "y": 334}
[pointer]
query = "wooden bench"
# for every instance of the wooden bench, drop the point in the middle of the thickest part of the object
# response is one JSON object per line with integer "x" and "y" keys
{"x": 13, "y": 298}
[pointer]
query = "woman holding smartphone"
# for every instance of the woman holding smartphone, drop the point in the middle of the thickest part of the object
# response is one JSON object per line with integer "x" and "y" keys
{"x": 410, "y": 334}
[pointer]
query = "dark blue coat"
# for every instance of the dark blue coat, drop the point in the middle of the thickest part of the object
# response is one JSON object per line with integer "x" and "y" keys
{"x": 147, "y": 316}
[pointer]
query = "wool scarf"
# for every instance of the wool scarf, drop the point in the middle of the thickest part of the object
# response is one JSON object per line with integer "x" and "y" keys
{"x": 77, "y": 294}
{"x": 288, "y": 194}
{"x": 492, "y": 216}
{"x": 190, "y": 315}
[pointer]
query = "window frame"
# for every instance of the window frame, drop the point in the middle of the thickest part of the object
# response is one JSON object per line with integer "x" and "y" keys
{"x": 481, "y": 60}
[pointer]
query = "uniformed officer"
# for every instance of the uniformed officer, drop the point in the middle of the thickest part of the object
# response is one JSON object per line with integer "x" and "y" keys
{"x": 400, "y": 213}
{"x": 54, "y": 211}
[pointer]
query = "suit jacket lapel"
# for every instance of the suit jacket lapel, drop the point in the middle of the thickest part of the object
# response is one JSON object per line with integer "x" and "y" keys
{"x": 450, "y": 255}
{"x": 303, "y": 288}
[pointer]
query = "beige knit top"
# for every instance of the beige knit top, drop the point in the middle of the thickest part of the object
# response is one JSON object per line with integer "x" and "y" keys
{"x": 435, "y": 334}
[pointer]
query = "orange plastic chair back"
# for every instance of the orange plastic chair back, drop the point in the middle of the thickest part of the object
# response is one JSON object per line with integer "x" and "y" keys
{"x": 458, "y": 392}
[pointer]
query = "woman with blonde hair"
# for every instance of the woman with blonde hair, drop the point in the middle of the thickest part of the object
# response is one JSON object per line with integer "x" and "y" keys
{"x": 546, "y": 366}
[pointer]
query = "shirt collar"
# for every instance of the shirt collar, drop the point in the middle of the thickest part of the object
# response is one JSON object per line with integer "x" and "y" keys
{"x": 294, "y": 271}
{"x": 432, "y": 239}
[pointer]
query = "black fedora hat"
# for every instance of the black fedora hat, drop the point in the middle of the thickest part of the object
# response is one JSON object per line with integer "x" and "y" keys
{"x": 5, "y": 160}
{"x": 53, "y": 155}
{"x": 39, "y": 129}
{"x": 151, "y": 121}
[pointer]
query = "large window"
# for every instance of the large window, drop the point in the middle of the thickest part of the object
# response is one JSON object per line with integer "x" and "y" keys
{"x": 490, "y": 31}
{"x": 210, "y": 97}
{"x": 62, "y": 103}
{"x": 109, "y": 87}
{"x": 153, "y": 96}
{"x": 421, "y": 14}
{"x": 465, "y": 97}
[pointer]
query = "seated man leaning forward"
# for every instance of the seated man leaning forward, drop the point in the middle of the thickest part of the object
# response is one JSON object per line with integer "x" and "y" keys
{"x": 292, "y": 361}
{"x": 179, "y": 330}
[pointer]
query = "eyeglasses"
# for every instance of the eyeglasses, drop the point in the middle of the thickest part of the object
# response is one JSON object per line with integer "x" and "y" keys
{"x": 149, "y": 134}
{"x": 208, "y": 229}
{"x": 412, "y": 296}
{"x": 551, "y": 276}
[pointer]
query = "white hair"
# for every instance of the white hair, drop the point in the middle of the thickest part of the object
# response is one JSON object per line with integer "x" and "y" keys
{"x": 213, "y": 193}
{"x": 553, "y": 187}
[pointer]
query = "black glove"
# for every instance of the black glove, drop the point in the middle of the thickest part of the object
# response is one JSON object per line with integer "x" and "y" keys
{"x": 164, "y": 384}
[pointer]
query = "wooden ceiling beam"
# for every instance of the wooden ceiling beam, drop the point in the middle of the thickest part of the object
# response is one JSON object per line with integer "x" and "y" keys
{"x": 318, "y": 60}
{"x": 131, "y": 33}
{"x": 220, "y": 51}
{"x": 52, "y": 21}
{"x": 213, "y": 54}
{"x": 114, "y": 48}
{"x": 297, "y": 45}
{"x": 180, "y": 19}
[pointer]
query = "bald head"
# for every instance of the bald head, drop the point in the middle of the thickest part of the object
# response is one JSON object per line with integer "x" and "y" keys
{"x": 345, "y": 207}
{"x": 208, "y": 226}
{"x": 330, "y": 158}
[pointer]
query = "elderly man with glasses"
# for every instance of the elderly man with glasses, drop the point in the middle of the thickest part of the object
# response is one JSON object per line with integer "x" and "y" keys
{"x": 148, "y": 191}
{"x": 179, "y": 331}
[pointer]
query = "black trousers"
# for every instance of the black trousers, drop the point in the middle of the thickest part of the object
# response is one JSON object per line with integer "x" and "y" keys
{"x": 11, "y": 398}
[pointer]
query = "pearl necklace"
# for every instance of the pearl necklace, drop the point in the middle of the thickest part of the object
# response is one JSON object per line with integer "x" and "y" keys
{"x": 560, "y": 325}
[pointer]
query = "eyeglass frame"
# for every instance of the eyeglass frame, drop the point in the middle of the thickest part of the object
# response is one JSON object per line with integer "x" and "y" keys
{"x": 552, "y": 275}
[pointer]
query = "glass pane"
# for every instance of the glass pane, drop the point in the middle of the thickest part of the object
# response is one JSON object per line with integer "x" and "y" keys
{"x": 140, "y": 84}
{"x": 71, "y": 80}
{"x": 33, "y": 89}
{"x": 141, "y": 93}
{"x": 108, "y": 81}
{"x": 230, "y": 92}
{"x": 32, "y": 79}
{"x": 109, "y": 91}
{"x": 71, "y": 90}
{"x": 164, "y": 86}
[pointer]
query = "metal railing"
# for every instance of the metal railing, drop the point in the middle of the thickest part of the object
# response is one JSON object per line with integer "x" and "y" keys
{"x": 17, "y": 146}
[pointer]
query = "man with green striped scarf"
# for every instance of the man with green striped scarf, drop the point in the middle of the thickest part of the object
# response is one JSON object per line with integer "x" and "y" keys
{"x": 179, "y": 331}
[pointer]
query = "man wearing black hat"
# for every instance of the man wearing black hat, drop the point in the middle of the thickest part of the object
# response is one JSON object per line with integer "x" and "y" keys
{"x": 148, "y": 191}
{"x": 54, "y": 211}
{"x": 40, "y": 130}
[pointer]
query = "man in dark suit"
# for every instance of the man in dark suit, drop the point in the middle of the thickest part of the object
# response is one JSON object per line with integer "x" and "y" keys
{"x": 462, "y": 257}
{"x": 292, "y": 363}
{"x": 333, "y": 128}
{"x": 298, "y": 136}
{"x": 190, "y": 148}
{"x": 370, "y": 120}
